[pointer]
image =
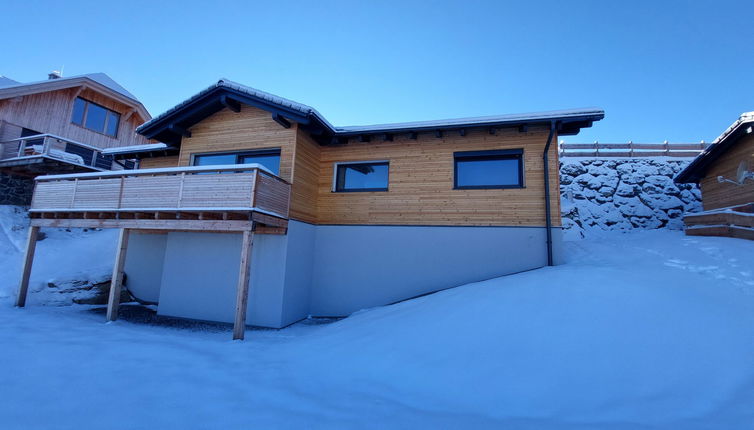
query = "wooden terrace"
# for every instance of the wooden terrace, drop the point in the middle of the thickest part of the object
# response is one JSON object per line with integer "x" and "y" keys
{"x": 45, "y": 153}
{"x": 238, "y": 198}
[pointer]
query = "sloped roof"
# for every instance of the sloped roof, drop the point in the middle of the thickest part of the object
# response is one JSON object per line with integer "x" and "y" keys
{"x": 10, "y": 88}
{"x": 6, "y": 82}
{"x": 696, "y": 170}
{"x": 216, "y": 96}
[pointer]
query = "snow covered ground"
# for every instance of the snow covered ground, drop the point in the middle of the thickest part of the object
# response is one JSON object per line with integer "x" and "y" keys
{"x": 638, "y": 330}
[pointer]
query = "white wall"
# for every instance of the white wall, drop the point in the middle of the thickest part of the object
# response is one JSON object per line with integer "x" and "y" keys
{"x": 298, "y": 271}
{"x": 200, "y": 277}
{"x": 144, "y": 260}
{"x": 323, "y": 270}
{"x": 358, "y": 267}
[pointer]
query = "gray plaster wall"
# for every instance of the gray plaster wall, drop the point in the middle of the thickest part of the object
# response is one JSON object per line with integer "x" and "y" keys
{"x": 144, "y": 261}
{"x": 322, "y": 270}
{"x": 357, "y": 267}
{"x": 200, "y": 277}
{"x": 299, "y": 266}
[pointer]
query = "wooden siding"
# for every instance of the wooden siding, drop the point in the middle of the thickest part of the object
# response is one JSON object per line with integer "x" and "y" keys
{"x": 306, "y": 171}
{"x": 421, "y": 183}
{"x": 50, "y": 112}
{"x": 158, "y": 162}
{"x": 421, "y": 173}
{"x": 718, "y": 195}
{"x": 249, "y": 129}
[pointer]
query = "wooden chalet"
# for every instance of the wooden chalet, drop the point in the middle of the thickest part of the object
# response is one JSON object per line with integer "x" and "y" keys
{"x": 725, "y": 174}
{"x": 341, "y": 218}
{"x": 66, "y": 124}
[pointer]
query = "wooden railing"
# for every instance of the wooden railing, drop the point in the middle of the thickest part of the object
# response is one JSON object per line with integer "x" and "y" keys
{"x": 631, "y": 149}
{"x": 236, "y": 188}
{"x": 735, "y": 221}
{"x": 56, "y": 147}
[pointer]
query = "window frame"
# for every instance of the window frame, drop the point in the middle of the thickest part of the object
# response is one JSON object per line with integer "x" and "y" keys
{"x": 337, "y": 165}
{"x": 85, "y": 113}
{"x": 243, "y": 153}
{"x": 498, "y": 154}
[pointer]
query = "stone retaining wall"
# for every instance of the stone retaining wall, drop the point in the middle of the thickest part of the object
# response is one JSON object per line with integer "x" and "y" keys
{"x": 624, "y": 194}
{"x": 15, "y": 190}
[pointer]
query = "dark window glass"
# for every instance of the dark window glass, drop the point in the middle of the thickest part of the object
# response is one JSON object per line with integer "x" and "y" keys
{"x": 488, "y": 169}
{"x": 95, "y": 117}
{"x": 362, "y": 177}
{"x": 271, "y": 161}
{"x": 214, "y": 160}
{"x": 267, "y": 158}
{"x": 112, "y": 123}
{"x": 79, "y": 105}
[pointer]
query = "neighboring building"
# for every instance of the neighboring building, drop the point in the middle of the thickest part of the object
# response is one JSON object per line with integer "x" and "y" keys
{"x": 725, "y": 174}
{"x": 343, "y": 218}
{"x": 62, "y": 125}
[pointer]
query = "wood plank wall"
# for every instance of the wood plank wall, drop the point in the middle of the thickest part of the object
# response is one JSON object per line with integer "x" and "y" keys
{"x": 158, "y": 162}
{"x": 719, "y": 195}
{"x": 249, "y": 129}
{"x": 50, "y": 112}
{"x": 421, "y": 183}
{"x": 421, "y": 173}
{"x": 306, "y": 171}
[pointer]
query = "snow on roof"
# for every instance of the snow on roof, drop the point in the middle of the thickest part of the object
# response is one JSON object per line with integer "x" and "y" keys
{"x": 100, "y": 78}
{"x": 698, "y": 166}
{"x": 480, "y": 120}
{"x": 136, "y": 148}
{"x": 308, "y": 110}
{"x": 227, "y": 83}
{"x": 744, "y": 118}
{"x": 7, "y": 82}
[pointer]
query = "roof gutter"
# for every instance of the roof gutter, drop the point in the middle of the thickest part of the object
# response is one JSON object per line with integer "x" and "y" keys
{"x": 548, "y": 214}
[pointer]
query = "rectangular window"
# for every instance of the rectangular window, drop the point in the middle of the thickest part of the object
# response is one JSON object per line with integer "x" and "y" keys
{"x": 361, "y": 176}
{"x": 95, "y": 117}
{"x": 269, "y": 158}
{"x": 489, "y": 169}
{"x": 79, "y": 105}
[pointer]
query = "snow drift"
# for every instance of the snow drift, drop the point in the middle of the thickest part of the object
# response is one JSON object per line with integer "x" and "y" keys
{"x": 641, "y": 330}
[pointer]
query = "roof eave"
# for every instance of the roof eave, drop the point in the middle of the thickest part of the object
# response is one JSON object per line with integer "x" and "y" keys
{"x": 52, "y": 85}
{"x": 697, "y": 169}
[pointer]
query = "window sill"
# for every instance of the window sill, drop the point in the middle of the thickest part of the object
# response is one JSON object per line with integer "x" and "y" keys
{"x": 365, "y": 190}
{"x": 490, "y": 187}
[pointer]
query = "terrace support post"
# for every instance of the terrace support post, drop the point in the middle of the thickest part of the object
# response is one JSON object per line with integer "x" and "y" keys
{"x": 23, "y": 287}
{"x": 242, "y": 298}
{"x": 113, "y": 301}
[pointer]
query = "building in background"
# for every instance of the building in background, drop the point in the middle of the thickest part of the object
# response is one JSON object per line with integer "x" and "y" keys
{"x": 725, "y": 174}
{"x": 63, "y": 125}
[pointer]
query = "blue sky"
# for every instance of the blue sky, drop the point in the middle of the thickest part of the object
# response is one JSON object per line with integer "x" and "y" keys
{"x": 674, "y": 70}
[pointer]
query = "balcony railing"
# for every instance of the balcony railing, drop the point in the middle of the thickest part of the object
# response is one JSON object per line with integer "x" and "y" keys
{"x": 150, "y": 193}
{"x": 58, "y": 148}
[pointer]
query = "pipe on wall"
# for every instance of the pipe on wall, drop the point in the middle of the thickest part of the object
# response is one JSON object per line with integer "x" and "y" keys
{"x": 548, "y": 215}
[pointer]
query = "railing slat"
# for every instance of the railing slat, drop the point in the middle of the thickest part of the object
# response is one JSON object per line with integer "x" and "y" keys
{"x": 186, "y": 189}
{"x": 631, "y": 149}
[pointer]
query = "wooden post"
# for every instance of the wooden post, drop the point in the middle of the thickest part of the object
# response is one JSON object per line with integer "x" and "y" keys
{"x": 113, "y": 301}
{"x": 23, "y": 287}
{"x": 242, "y": 298}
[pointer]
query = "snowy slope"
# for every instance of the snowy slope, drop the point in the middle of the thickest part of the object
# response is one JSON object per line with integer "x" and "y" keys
{"x": 641, "y": 330}
{"x": 62, "y": 256}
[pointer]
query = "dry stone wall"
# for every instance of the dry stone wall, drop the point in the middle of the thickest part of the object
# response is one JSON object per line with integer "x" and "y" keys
{"x": 624, "y": 194}
{"x": 15, "y": 190}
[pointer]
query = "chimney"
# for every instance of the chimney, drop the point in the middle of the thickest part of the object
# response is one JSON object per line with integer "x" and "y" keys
{"x": 54, "y": 75}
